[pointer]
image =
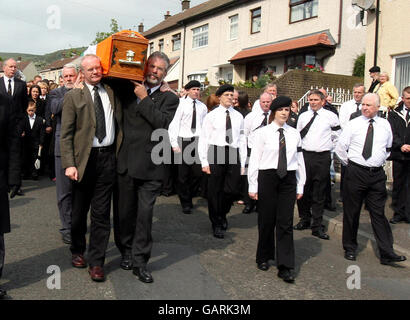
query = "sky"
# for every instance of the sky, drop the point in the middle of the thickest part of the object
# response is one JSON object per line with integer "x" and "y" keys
{"x": 44, "y": 26}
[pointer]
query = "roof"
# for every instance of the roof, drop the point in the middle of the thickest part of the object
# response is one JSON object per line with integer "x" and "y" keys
{"x": 20, "y": 65}
{"x": 191, "y": 14}
{"x": 58, "y": 64}
{"x": 321, "y": 39}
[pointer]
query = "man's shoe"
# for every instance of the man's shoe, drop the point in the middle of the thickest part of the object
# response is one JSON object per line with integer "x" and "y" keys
{"x": 143, "y": 274}
{"x": 349, "y": 255}
{"x": 20, "y": 192}
{"x": 78, "y": 261}
{"x": 320, "y": 234}
{"x": 287, "y": 275}
{"x": 330, "y": 207}
{"x": 397, "y": 219}
{"x": 218, "y": 233}
{"x": 187, "y": 210}
{"x": 3, "y": 294}
{"x": 224, "y": 224}
{"x": 302, "y": 226}
{"x": 264, "y": 266}
{"x": 392, "y": 258}
{"x": 96, "y": 273}
{"x": 67, "y": 238}
{"x": 126, "y": 262}
{"x": 248, "y": 209}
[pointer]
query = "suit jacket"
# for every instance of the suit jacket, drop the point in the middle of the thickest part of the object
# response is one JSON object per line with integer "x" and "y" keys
{"x": 33, "y": 136}
{"x": 78, "y": 127}
{"x": 401, "y": 133}
{"x": 9, "y": 159}
{"x": 140, "y": 121}
{"x": 19, "y": 99}
{"x": 55, "y": 106}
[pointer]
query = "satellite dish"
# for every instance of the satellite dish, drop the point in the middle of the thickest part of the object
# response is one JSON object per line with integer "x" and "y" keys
{"x": 364, "y": 4}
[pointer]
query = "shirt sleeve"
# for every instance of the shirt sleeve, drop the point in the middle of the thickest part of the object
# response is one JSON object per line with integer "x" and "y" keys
{"x": 301, "y": 170}
{"x": 203, "y": 142}
{"x": 253, "y": 168}
{"x": 243, "y": 150}
{"x": 173, "y": 129}
{"x": 336, "y": 130}
{"x": 343, "y": 144}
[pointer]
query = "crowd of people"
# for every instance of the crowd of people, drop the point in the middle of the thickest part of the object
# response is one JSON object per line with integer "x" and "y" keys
{"x": 95, "y": 137}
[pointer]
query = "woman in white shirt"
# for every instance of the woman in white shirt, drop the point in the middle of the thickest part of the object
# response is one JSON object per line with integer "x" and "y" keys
{"x": 276, "y": 178}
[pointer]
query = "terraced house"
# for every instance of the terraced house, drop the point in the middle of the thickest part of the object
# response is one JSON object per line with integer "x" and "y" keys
{"x": 232, "y": 40}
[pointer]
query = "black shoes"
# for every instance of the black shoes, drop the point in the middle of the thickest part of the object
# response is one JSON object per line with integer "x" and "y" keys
{"x": 3, "y": 294}
{"x": 302, "y": 226}
{"x": 218, "y": 233}
{"x": 320, "y": 234}
{"x": 143, "y": 274}
{"x": 67, "y": 238}
{"x": 187, "y": 210}
{"x": 248, "y": 209}
{"x": 392, "y": 258}
{"x": 264, "y": 266}
{"x": 330, "y": 207}
{"x": 397, "y": 219}
{"x": 126, "y": 262}
{"x": 287, "y": 275}
{"x": 349, "y": 255}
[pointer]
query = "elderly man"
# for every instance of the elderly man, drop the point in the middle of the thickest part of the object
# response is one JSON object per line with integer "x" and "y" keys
{"x": 399, "y": 120}
{"x": 363, "y": 147}
{"x": 253, "y": 121}
{"x": 90, "y": 128}
{"x": 147, "y": 107}
{"x": 270, "y": 88}
{"x": 63, "y": 183}
{"x": 374, "y": 75}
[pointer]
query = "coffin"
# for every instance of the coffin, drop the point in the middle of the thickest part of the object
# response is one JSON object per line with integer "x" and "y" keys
{"x": 123, "y": 55}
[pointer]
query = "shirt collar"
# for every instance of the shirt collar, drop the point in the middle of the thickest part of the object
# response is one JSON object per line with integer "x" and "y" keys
{"x": 6, "y": 79}
{"x": 33, "y": 117}
{"x": 275, "y": 127}
{"x": 153, "y": 89}
{"x": 91, "y": 87}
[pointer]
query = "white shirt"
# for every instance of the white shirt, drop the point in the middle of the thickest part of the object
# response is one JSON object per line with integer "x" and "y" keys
{"x": 256, "y": 106}
{"x": 214, "y": 130}
{"x": 346, "y": 110}
{"x": 180, "y": 125}
{"x": 31, "y": 120}
{"x": 265, "y": 154}
{"x": 323, "y": 133}
{"x": 6, "y": 83}
{"x": 108, "y": 114}
{"x": 252, "y": 122}
{"x": 351, "y": 141}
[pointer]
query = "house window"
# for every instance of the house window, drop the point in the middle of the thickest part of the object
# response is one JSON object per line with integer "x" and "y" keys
{"x": 176, "y": 42}
{"x": 200, "y": 36}
{"x": 161, "y": 45}
{"x": 151, "y": 47}
{"x": 300, "y": 61}
{"x": 233, "y": 30}
{"x": 256, "y": 20}
{"x": 199, "y": 77}
{"x": 303, "y": 9}
{"x": 402, "y": 72}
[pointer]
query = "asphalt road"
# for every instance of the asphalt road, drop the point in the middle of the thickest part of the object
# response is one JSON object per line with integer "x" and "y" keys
{"x": 187, "y": 262}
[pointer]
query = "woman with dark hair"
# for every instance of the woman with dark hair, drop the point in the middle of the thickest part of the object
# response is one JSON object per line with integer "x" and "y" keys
{"x": 212, "y": 102}
{"x": 276, "y": 178}
{"x": 34, "y": 94}
{"x": 243, "y": 101}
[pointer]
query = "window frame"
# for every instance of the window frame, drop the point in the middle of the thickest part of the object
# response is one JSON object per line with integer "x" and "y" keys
{"x": 298, "y": 3}
{"x": 161, "y": 43}
{"x": 255, "y": 17}
{"x": 394, "y": 66}
{"x": 176, "y": 37}
{"x": 200, "y": 34}
{"x": 151, "y": 47}
{"x": 230, "y": 27}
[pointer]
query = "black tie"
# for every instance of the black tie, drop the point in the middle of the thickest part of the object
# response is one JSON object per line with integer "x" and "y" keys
{"x": 149, "y": 91}
{"x": 99, "y": 116}
{"x": 368, "y": 144}
{"x": 265, "y": 120}
{"x": 228, "y": 127}
{"x": 408, "y": 115}
{"x": 305, "y": 130}
{"x": 357, "y": 106}
{"x": 282, "y": 162}
{"x": 9, "y": 88}
{"x": 193, "y": 124}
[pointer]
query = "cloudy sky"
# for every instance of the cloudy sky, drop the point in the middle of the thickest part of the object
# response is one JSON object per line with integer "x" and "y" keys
{"x": 44, "y": 26}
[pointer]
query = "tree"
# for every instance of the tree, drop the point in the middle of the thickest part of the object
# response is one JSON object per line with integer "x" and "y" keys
{"x": 100, "y": 36}
{"x": 358, "y": 69}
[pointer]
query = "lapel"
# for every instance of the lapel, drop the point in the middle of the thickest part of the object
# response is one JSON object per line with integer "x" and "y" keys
{"x": 399, "y": 113}
{"x": 110, "y": 96}
{"x": 89, "y": 102}
{"x": 2, "y": 86}
{"x": 16, "y": 87}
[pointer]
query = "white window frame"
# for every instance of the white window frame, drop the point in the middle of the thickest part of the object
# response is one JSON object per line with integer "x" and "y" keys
{"x": 233, "y": 24}
{"x": 393, "y": 73}
{"x": 161, "y": 41}
{"x": 175, "y": 38}
{"x": 200, "y": 33}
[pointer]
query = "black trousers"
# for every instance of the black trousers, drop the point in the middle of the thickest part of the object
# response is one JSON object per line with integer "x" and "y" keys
{"x": 95, "y": 190}
{"x": 189, "y": 171}
{"x": 370, "y": 186}
{"x": 317, "y": 166}
{"x": 275, "y": 211}
{"x": 2, "y": 253}
{"x": 134, "y": 201}
{"x": 223, "y": 182}
{"x": 401, "y": 189}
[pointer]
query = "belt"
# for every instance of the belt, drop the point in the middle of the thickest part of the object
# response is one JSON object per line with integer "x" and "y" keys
{"x": 103, "y": 149}
{"x": 370, "y": 169}
{"x": 316, "y": 152}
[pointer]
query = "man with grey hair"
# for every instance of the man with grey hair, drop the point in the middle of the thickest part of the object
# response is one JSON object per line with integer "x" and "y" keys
{"x": 63, "y": 183}
{"x": 270, "y": 88}
{"x": 147, "y": 107}
{"x": 363, "y": 147}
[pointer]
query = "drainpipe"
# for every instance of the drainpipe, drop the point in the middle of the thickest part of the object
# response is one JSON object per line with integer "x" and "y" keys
{"x": 376, "y": 40}
{"x": 339, "y": 34}
{"x": 183, "y": 57}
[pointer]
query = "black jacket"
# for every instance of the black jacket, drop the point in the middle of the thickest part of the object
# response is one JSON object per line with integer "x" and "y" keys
{"x": 401, "y": 133}
{"x": 33, "y": 136}
{"x": 19, "y": 99}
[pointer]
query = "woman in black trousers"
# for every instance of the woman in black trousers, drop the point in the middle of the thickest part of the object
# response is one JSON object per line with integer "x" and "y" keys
{"x": 276, "y": 176}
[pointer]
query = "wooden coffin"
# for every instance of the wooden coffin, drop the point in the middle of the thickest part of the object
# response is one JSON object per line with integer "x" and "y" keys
{"x": 123, "y": 55}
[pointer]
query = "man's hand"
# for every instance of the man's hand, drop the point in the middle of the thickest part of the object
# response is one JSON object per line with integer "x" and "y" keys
{"x": 140, "y": 90}
{"x": 207, "y": 170}
{"x": 176, "y": 149}
{"x": 242, "y": 171}
{"x": 49, "y": 129}
{"x": 72, "y": 173}
{"x": 14, "y": 189}
{"x": 78, "y": 84}
{"x": 405, "y": 148}
{"x": 299, "y": 196}
{"x": 253, "y": 195}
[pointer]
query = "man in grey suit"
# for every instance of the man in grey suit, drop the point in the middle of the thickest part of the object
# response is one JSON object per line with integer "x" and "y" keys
{"x": 63, "y": 183}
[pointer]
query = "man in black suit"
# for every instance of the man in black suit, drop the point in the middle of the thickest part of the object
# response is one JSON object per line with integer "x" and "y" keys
{"x": 147, "y": 108}
{"x": 9, "y": 170}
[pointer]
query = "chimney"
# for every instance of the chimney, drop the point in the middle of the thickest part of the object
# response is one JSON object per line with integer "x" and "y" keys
{"x": 167, "y": 15}
{"x": 185, "y": 4}
{"x": 141, "y": 28}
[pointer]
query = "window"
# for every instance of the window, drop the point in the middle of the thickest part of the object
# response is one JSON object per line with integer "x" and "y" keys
{"x": 176, "y": 42}
{"x": 256, "y": 20}
{"x": 402, "y": 72}
{"x": 233, "y": 31}
{"x": 199, "y": 77}
{"x": 161, "y": 45}
{"x": 200, "y": 36}
{"x": 151, "y": 47}
{"x": 299, "y": 61}
{"x": 303, "y": 9}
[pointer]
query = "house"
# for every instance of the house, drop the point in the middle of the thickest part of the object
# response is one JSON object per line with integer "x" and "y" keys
{"x": 54, "y": 70}
{"x": 392, "y": 52}
{"x": 232, "y": 40}
{"x": 27, "y": 67}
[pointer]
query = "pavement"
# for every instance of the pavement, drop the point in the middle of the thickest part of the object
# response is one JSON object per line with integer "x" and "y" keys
{"x": 188, "y": 263}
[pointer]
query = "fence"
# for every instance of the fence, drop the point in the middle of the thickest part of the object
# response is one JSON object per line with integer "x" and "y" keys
{"x": 338, "y": 95}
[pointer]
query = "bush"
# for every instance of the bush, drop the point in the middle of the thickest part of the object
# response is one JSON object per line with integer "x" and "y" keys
{"x": 358, "y": 69}
{"x": 259, "y": 84}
